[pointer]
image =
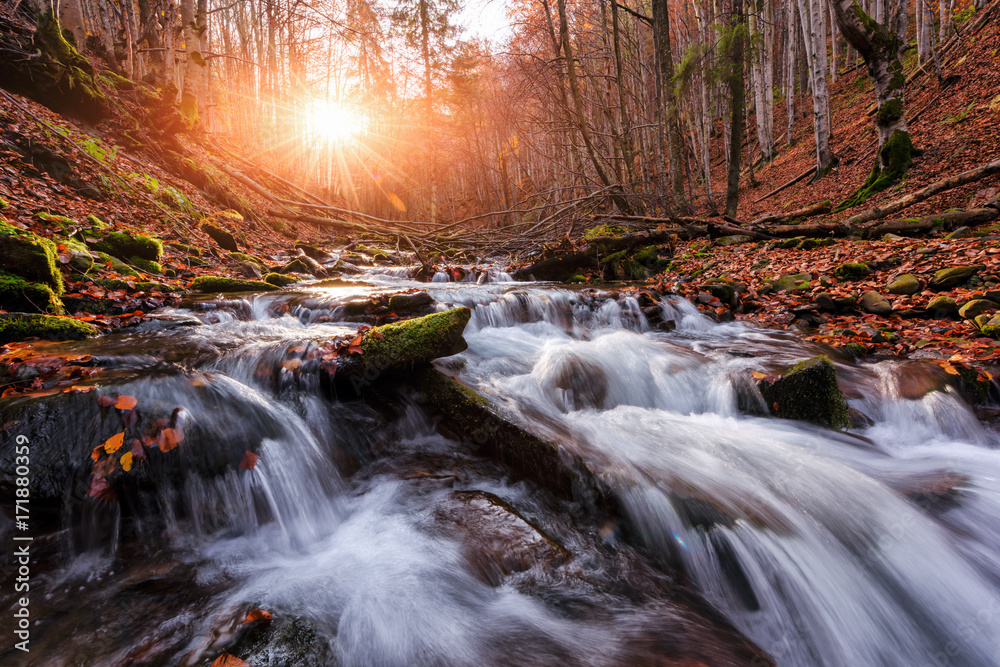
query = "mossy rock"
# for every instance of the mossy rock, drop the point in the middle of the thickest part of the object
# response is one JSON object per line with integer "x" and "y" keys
{"x": 904, "y": 284}
{"x": 97, "y": 223}
{"x": 124, "y": 245}
{"x": 60, "y": 221}
{"x": 223, "y": 284}
{"x": 18, "y": 326}
{"x": 19, "y": 295}
{"x": 185, "y": 248}
{"x": 977, "y": 307}
{"x": 401, "y": 346}
{"x": 115, "y": 284}
{"x": 942, "y": 305}
{"x": 118, "y": 266}
{"x": 146, "y": 265}
{"x": 992, "y": 328}
{"x": 808, "y": 392}
{"x": 295, "y": 266}
{"x": 225, "y": 240}
{"x": 795, "y": 282}
{"x": 876, "y": 304}
{"x": 29, "y": 256}
{"x": 953, "y": 277}
{"x": 279, "y": 280}
{"x": 852, "y": 270}
{"x": 735, "y": 239}
{"x": 812, "y": 244}
{"x": 4, "y": 204}
{"x": 243, "y": 257}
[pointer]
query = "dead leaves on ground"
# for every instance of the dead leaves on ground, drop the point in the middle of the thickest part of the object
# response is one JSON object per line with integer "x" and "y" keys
{"x": 41, "y": 369}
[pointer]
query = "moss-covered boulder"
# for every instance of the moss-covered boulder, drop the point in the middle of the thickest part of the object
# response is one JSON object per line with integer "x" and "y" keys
{"x": 244, "y": 257}
{"x": 794, "y": 282}
{"x": 147, "y": 265}
{"x": 279, "y": 280}
{"x": 223, "y": 284}
{"x": 808, "y": 392}
{"x": 295, "y": 266}
{"x": 401, "y": 346}
{"x": 977, "y": 307}
{"x": 992, "y": 327}
{"x": 185, "y": 248}
{"x": 852, "y": 270}
{"x": 953, "y": 277}
{"x": 942, "y": 306}
{"x": 19, "y": 295}
{"x": 118, "y": 266}
{"x": 904, "y": 284}
{"x": 29, "y": 256}
{"x": 125, "y": 246}
{"x": 18, "y": 326}
{"x": 225, "y": 240}
{"x": 876, "y": 304}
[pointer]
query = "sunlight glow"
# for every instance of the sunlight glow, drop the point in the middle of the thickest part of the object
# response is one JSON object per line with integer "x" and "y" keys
{"x": 334, "y": 121}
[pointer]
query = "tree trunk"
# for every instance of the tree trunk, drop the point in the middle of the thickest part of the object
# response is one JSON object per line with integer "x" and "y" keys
{"x": 737, "y": 90}
{"x": 882, "y": 47}
{"x": 665, "y": 60}
{"x": 812, "y": 30}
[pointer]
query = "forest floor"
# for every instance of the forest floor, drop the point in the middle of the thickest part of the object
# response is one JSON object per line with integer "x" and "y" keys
{"x": 72, "y": 183}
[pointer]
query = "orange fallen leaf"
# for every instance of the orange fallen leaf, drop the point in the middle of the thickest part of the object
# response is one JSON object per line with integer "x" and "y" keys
{"x": 169, "y": 439}
{"x": 126, "y": 402}
{"x": 114, "y": 443}
{"x": 292, "y": 364}
{"x": 126, "y": 461}
{"x": 79, "y": 390}
{"x": 758, "y": 375}
{"x": 226, "y": 660}
{"x": 249, "y": 460}
{"x": 257, "y": 615}
{"x": 96, "y": 453}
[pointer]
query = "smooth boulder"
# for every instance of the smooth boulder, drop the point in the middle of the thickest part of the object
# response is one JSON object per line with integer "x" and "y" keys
{"x": 808, "y": 392}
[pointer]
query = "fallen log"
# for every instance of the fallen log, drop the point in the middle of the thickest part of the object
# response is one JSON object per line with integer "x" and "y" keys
{"x": 564, "y": 265}
{"x": 817, "y": 230}
{"x": 943, "y": 221}
{"x": 786, "y": 185}
{"x": 821, "y": 208}
{"x": 949, "y": 183}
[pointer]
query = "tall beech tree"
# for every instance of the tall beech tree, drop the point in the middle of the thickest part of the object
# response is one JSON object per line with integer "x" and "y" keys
{"x": 881, "y": 45}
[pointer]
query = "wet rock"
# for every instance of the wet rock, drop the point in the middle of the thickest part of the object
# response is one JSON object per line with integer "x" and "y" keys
{"x": 976, "y": 307}
{"x": 295, "y": 266}
{"x": 904, "y": 284}
{"x": 250, "y": 270}
{"x": 223, "y": 284}
{"x": 279, "y": 280}
{"x": 498, "y": 541}
{"x": 808, "y": 392}
{"x": 29, "y": 256}
{"x": 402, "y": 346}
{"x": 876, "y": 304}
{"x": 409, "y": 302}
{"x": 470, "y": 418}
{"x": 942, "y": 306}
{"x": 225, "y": 240}
{"x": 825, "y": 301}
{"x": 313, "y": 252}
{"x": 284, "y": 641}
{"x": 724, "y": 292}
{"x": 946, "y": 278}
{"x": 585, "y": 384}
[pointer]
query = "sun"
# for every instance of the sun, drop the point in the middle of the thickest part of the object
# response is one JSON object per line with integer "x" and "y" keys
{"x": 334, "y": 121}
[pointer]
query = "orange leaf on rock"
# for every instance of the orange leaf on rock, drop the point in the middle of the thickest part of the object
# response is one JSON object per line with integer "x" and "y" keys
{"x": 114, "y": 443}
{"x": 126, "y": 461}
{"x": 169, "y": 439}
{"x": 226, "y": 660}
{"x": 96, "y": 453}
{"x": 292, "y": 364}
{"x": 257, "y": 615}
{"x": 249, "y": 460}
{"x": 126, "y": 402}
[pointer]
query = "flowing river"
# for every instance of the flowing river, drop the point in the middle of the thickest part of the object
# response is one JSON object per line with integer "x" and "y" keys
{"x": 373, "y": 539}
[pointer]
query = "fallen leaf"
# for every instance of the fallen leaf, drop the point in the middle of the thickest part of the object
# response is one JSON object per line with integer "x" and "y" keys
{"x": 758, "y": 375}
{"x": 226, "y": 660}
{"x": 106, "y": 401}
{"x": 100, "y": 489}
{"x": 249, "y": 460}
{"x": 257, "y": 615}
{"x": 169, "y": 439}
{"x": 292, "y": 364}
{"x": 96, "y": 453}
{"x": 138, "y": 451}
{"x": 114, "y": 443}
{"x": 126, "y": 461}
{"x": 126, "y": 402}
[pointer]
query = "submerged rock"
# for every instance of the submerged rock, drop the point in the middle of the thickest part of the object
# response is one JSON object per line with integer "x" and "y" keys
{"x": 808, "y": 392}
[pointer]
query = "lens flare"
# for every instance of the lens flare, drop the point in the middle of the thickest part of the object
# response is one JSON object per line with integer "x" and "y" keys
{"x": 334, "y": 121}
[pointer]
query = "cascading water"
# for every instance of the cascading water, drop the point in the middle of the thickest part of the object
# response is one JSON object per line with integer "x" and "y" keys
{"x": 880, "y": 546}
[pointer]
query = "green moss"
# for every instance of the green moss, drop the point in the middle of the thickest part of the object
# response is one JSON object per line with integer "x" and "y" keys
{"x": 117, "y": 265}
{"x": 19, "y": 295}
{"x": 124, "y": 245}
{"x": 115, "y": 284}
{"x": 415, "y": 341}
{"x": 4, "y": 204}
{"x": 852, "y": 270}
{"x": 223, "y": 284}
{"x": 29, "y": 256}
{"x": 243, "y": 257}
{"x": 63, "y": 79}
{"x": 604, "y": 232}
{"x": 854, "y": 349}
{"x": 809, "y": 392}
{"x": 147, "y": 265}
{"x": 279, "y": 280}
{"x": 186, "y": 249}
{"x": 96, "y": 222}
{"x": 48, "y": 327}
{"x": 60, "y": 221}
{"x": 897, "y": 156}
